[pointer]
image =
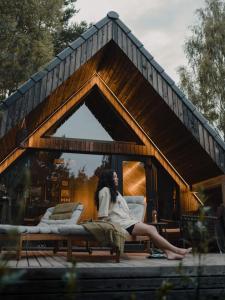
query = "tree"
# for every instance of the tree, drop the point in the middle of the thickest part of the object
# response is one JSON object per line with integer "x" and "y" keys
{"x": 28, "y": 36}
{"x": 204, "y": 79}
{"x": 68, "y": 31}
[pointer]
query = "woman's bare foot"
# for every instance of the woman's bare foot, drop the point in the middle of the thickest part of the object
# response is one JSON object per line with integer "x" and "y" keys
{"x": 172, "y": 255}
{"x": 183, "y": 251}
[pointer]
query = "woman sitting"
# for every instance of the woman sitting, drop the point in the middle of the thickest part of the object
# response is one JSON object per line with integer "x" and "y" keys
{"x": 112, "y": 207}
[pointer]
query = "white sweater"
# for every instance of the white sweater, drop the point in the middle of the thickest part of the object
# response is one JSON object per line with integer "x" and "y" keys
{"x": 117, "y": 212}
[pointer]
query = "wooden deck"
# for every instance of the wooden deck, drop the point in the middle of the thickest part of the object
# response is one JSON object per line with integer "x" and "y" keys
{"x": 50, "y": 276}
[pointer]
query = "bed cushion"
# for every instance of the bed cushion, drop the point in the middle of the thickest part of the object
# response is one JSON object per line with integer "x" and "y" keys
{"x": 45, "y": 221}
{"x": 63, "y": 211}
{"x": 11, "y": 229}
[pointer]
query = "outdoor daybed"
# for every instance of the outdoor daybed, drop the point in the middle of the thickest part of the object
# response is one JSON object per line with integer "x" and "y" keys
{"x": 68, "y": 230}
{"x": 46, "y": 230}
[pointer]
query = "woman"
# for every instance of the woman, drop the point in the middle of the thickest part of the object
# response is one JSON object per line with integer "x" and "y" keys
{"x": 112, "y": 207}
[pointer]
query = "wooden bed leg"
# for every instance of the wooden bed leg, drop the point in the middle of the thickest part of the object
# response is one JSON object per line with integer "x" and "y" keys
{"x": 117, "y": 256}
{"x": 69, "y": 249}
{"x": 88, "y": 248}
{"x": 56, "y": 247}
{"x": 19, "y": 247}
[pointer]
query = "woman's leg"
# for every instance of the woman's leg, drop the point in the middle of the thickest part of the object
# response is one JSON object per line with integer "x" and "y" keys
{"x": 171, "y": 251}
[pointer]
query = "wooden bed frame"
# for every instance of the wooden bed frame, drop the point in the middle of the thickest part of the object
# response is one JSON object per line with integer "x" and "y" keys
{"x": 20, "y": 238}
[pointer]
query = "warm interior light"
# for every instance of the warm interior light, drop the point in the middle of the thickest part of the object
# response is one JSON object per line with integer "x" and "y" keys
{"x": 134, "y": 179}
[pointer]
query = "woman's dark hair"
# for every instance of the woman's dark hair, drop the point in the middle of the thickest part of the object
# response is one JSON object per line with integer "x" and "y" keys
{"x": 106, "y": 180}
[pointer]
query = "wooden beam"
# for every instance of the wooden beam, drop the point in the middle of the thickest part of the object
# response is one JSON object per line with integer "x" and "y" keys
{"x": 209, "y": 183}
{"x": 87, "y": 146}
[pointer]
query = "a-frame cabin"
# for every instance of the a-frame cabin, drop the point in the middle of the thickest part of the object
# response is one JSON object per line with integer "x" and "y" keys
{"x": 105, "y": 102}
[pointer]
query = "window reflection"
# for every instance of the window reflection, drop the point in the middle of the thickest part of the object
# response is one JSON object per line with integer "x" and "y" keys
{"x": 134, "y": 178}
{"x": 43, "y": 179}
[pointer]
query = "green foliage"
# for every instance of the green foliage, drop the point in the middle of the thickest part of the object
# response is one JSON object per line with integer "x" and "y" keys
{"x": 7, "y": 276}
{"x": 69, "y": 31}
{"x": 31, "y": 33}
{"x": 164, "y": 290}
{"x": 26, "y": 38}
{"x": 204, "y": 79}
{"x": 70, "y": 279}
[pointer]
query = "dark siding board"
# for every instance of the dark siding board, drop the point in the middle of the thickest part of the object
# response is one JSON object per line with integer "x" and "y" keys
{"x": 124, "y": 43}
{"x": 195, "y": 127}
{"x": 149, "y": 72}
{"x": 193, "y": 124}
{"x": 11, "y": 112}
{"x": 4, "y": 115}
{"x": 201, "y": 135}
{"x": 212, "y": 153}
{"x": 115, "y": 32}
{"x": 95, "y": 43}
{"x": 175, "y": 106}
{"x": 26, "y": 97}
{"x": 216, "y": 147}
{"x": 18, "y": 105}
{"x": 61, "y": 72}
{"x": 100, "y": 39}
{"x": 144, "y": 67}
{"x": 160, "y": 88}
{"x": 55, "y": 79}
{"x": 129, "y": 49}
{"x": 37, "y": 93}
{"x": 43, "y": 88}
{"x": 155, "y": 84}
{"x": 23, "y": 107}
{"x": 89, "y": 47}
{"x": 134, "y": 54}
{"x": 83, "y": 53}
{"x": 185, "y": 115}
{"x": 120, "y": 39}
{"x": 72, "y": 62}
{"x": 104, "y": 35}
{"x": 66, "y": 68}
{"x": 49, "y": 83}
{"x": 78, "y": 58}
{"x": 222, "y": 158}
{"x": 165, "y": 91}
{"x": 109, "y": 28}
{"x": 170, "y": 97}
{"x": 180, "y": 110}
{"x": 139, "y": 61}
{"x": 206, "y": 140}
{"x": 31, "y": 93}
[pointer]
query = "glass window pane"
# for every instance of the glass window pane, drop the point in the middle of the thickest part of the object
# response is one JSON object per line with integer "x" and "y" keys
{"x": 42, "y": 179}
{"x": 134, "y": 178}
{"x": 82, "y": 125}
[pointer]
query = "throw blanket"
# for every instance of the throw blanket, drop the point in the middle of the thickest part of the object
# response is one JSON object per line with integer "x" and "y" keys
{"x": 106, "y": 233}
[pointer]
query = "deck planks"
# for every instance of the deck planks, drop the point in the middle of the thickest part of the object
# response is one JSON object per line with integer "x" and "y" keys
{"x": 99, "y": 277}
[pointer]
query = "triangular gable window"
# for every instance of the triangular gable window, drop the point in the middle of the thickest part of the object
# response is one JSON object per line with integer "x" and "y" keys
{"x": 94, "y": 119}
{"x": 82, "y": 124}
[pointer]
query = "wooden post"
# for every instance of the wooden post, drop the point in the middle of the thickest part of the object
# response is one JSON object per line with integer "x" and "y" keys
{"x": 69, "y": 248}
{"x": 19, "y": 247}
{"x": 56, "y": 247}
{"x": 117, "y": 256}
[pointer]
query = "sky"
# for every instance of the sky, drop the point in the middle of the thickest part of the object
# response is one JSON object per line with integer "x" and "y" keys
{"x": 161, "y": 25}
